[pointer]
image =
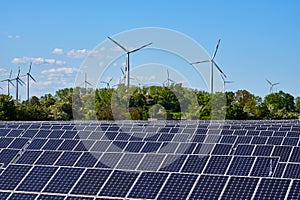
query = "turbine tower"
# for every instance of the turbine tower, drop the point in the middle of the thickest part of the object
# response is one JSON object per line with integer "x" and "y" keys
{"x": 29, "y": 76}
{"x": 9, "y": 81}
{"x": 18, "y": 81}
{"x": 128, "y": 52}
{"x": 272, "y": 85}
{"x": 85, "y": 82}
{"x": 212, "y": 64}
{"x": 225, "y": 82}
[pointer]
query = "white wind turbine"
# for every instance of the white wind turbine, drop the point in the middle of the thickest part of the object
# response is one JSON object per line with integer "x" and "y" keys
{"x": 85, "y": 82}
{"x": 128, "y": 52}
{"x": 18, "y": 81}
{"x": 168, "y": 79}
{"x": 107, "y": 82}
{"x": 212, "y": 64}
{"x": 225, "y": 82}
{"x": 29, "y": 76}
{"x": 272, "y": 85}
{"x": 9, "y": 81}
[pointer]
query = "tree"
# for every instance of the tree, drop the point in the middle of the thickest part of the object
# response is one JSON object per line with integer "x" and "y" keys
{"x": 7, "y": 108}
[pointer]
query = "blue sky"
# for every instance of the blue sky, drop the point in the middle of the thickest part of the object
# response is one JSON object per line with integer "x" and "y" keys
{"x": 259, "y": 39}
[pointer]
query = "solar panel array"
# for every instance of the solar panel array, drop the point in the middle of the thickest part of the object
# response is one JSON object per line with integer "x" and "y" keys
{"x": 150, "y": 160}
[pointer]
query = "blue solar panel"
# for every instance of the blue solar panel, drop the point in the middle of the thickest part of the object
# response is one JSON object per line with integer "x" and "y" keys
{"x": 12, "y": 176}
{"x": 264, "y": 166}
{"x": 241, "y": 166}
{"x": 4, "y": 142}
{"x": 195, "y": 164}
{"x": 52, "y": 144}
{"x": 217, "y": 164}
{"x": 64, "y": 180}
{"x": 244, "y": 149}
{"x": 37, "y": 144}
{"x": 23, "y": 196}
{"x": 209, "y": 187}
{"x": 272, "y": 189}
{"x": 148, "y": 185}
{"x": 292, "y": 171}
{"x": 263, "y": 150}
{"x": 68, "y": 158}
{"x": 87, "y": 159}
{"x": 29, "y": 157}
{"x": 119, "y": 184}
{"x": 222, "y": 149}
{"x": 240, "y": 188}
{"x": 4, "y": 195}
{"x": 50, "y": 197}
{"x": 91, "y": 182}
{"x": 151, "y": 162}
{"x": 177, "y": 186}
{"x": 48, "y": 158}
{"x": 7, "y": 156}
{"x": 294, "y": 190}
{"x": 173, "y": 163}
{"x": 283, "y": 152}
{"x": 37, "y": 179}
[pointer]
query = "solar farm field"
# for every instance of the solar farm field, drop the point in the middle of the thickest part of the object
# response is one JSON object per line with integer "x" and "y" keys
{"x": 150, "y": 160}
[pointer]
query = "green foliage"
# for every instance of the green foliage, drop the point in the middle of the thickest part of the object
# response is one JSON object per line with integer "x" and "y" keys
{"x": 172, "y": 102}
{"x": 7, "y": 108}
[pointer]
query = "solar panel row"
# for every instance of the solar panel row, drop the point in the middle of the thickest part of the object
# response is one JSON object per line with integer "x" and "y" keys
{"x": 161, "y": 160}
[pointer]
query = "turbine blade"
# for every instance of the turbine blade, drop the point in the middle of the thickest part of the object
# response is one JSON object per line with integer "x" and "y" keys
{"x": 110, "y": 79}
{"x": 30, "y": 67}
{"x": 119, "y": 45}
{"x": 89, "y": 83}
{"x": 134, "y": 50}
{"x": 219, "y": 69}
{"x": 122, "y": 70}
{"x": 11, "y": 83}
{"x": 32, "y": 78}
{"x": 214, "y": 55}
{"x": 269, "y": 82}
{"x": 198, "y": 62}
{"x": 10, "y": 74}
{"x": 19, "y": 72}
{"x": 22, "y": 81}
{"x": 276, "y": 83}
{"x": 223, "y": 78}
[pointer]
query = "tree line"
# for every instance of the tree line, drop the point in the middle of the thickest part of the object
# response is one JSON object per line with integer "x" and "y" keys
{"x": 153, "y": 102}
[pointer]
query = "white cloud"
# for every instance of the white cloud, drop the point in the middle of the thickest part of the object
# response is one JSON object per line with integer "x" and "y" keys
{"x": 59, "y": 71}
{"x": 13, "y": 36}
{"x": 38, "y": 61}
{"x": 58, "y": 51}
{"x": 79, "y": 53}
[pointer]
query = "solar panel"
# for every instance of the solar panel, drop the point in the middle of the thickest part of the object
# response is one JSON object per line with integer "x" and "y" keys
{"x": 148, "y": 185}
{"x": 208, "y": 187}
{"x": 121, "y": 180}
{"x": 36, "y": 180}
{"x": 150, "y": 160}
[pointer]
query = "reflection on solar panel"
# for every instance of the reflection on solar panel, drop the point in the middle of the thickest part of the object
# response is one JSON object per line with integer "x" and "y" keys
{"x": 150, "y": 160}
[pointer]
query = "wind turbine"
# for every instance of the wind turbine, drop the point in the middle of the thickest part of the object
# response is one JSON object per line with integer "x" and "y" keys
{"x": 168, "y": 79}
{"x": 18, "y": 81}
{"x": 9, "y": 81}
{"x": 225, "y": 82}
{"x": 107, "y": 82}
{"x": 271, "y": 85}
{"x": 29, "y": 76}
{"x": 85, "y": 82}
{"x": 212, "y": 63}
{"x": 128, "y": 52}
